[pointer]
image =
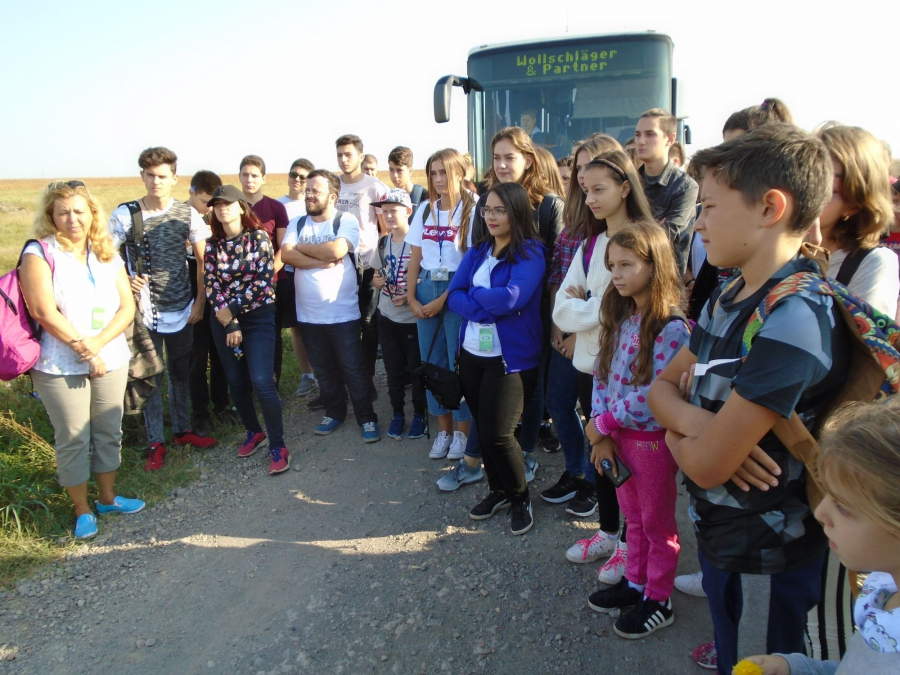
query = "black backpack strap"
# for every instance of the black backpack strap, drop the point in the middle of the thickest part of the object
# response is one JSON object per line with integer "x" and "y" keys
{"x": 336, "y": 224}
{"x": 136, "y": 234}
{"x": 851, "y": 265}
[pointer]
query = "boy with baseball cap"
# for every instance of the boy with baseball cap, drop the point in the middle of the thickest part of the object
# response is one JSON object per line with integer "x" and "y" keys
{"x": 396, "y": 323}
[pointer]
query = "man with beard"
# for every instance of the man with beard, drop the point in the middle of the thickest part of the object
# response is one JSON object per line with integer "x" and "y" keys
{"x": 321, "y": 247}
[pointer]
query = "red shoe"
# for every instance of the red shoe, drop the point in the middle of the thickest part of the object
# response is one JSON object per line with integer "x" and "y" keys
{"x": 705, "y": 656}
{"x": 190, "y": 438}
{"x": 155, "y": 457}
{"x": 281, "y": 460}
{"x": 251, "y": 444}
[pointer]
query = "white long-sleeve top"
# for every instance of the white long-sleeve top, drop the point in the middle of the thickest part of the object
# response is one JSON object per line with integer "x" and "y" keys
{"x": 582, "y": 317}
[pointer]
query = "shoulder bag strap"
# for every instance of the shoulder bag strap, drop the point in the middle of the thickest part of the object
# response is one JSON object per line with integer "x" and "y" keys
{"x": 851, "y": 265}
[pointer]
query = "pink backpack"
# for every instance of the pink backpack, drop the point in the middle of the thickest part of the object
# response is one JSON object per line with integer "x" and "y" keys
{"x": 20, "y": 335}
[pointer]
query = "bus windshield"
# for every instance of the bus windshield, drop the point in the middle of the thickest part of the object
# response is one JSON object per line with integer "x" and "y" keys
{"x": 561, "y": 95}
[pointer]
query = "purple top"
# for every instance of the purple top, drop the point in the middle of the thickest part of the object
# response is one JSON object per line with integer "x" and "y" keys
{"x": 618, "y": 404}
{"x": 589, "y": 252}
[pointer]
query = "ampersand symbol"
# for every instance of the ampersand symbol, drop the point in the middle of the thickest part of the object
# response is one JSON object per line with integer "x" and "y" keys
{"x": 530, "y": 70}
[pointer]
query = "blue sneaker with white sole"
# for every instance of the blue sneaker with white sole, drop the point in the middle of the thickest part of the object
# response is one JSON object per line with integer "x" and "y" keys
{"x": 416, "y": 427}
{"x": 120, "y": 505}
{"x": 395, "y": 431}
{"x": 86, "y": 526}
{"x": 531, "y": 466}
{"x": 327, "y": 425}
{"x": 370, "y": 432}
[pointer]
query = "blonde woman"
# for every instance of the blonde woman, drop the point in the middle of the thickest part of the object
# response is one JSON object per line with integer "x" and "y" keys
{"x": 83, "y": 305}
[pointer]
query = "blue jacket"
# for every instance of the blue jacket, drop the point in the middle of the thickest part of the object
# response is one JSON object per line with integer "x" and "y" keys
{"x": 513, "y": 302}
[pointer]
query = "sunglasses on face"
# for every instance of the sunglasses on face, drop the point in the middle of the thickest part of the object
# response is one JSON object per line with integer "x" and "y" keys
{"x": 298, "y": 176}
{"x": 57, "y": 184}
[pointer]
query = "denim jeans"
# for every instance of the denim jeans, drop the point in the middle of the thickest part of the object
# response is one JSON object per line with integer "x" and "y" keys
{"x": 562, "y": 395}
{"x": 336, "y": 354}
{"x": 533, "y": 414}
{"x": 446, "y": 325}
{"x": 256, "y": 369}
{"x": 178, "y": 373}
{"x": 497, "y": 400}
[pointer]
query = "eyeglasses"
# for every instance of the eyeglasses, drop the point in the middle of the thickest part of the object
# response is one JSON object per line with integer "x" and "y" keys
{"x": 315, "y": 193}
{"x": 57, "y": 184}
{"x": 298, "y": 176}
{"x": 487, "y": 211}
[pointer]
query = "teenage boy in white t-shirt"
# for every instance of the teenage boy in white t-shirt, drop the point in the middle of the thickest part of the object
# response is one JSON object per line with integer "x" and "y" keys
{"x": 359, "y": 193}
{"x": 295, "y": 205}
{"x": 323, "y": 257}
{"x": 167, "y": 301}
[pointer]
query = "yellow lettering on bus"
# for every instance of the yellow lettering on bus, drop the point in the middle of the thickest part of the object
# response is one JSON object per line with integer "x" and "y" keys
{"x": 612, "y": 53}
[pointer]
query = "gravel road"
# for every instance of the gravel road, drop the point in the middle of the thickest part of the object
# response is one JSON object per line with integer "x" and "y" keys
{"x": 351, "y": 562}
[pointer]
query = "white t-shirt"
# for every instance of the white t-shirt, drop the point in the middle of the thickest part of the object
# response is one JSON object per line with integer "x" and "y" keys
{"x": 698, "y": 254}
{"x": 471, "y": 343}
{"x": 294, "y": 207}
{"x": 877, "y": 281}
{"x": 120, "y": 225}
{"x": 326, "y": 295}
{"x": 357, "y": 199}
{"x": 438, "y": 238}
{"x": 83, "y": 294}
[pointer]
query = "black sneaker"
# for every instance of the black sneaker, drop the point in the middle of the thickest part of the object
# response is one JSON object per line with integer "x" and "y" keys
{"x": 521, "y": 518}
{"x": 585, "y": 503}
{"x": 202, "y": 427}
{"x": 648, "y": 617}
{"x": 547, "y": 437}
{"x": 565, "y": 489}
{"x": 489, "y": 506}
{"x": 615, "y": 597}
{"x": 317, "y": 403}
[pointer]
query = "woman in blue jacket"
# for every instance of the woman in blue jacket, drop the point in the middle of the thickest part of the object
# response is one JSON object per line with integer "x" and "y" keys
{"x": 497, "y": 291}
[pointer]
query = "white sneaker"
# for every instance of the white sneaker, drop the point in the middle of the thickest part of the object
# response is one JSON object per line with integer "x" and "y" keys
{"x": 691, "y": 584}
{"x": 614, "y": 569}
{"x": 458, "y": 446}
{"x": 441, "y": 446}
{"x": 599, "y": 546}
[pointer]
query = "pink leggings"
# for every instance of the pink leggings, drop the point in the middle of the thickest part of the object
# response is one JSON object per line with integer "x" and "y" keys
{"x": 647, "y": 500}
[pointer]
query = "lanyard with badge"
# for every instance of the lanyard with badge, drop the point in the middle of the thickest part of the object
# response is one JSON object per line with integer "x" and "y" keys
{"x": 486, "y": 331}
{"x": 395, "y": 266}
{"x": 441, "y": 273}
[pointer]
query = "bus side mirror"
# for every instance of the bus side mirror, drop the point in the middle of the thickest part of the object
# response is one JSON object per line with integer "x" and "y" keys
{"x": 442, "y": 92}
{"x": 687, "y": 135}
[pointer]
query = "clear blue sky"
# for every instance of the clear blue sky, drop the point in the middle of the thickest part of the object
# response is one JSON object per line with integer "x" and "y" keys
{"x": 88, "y": 84}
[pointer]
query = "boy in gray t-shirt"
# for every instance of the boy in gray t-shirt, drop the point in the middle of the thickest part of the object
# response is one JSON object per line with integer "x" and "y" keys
{"x": 397, "y": 329}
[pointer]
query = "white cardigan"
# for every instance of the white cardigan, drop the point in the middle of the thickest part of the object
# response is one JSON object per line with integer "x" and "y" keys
{"x": 582, "y": 317}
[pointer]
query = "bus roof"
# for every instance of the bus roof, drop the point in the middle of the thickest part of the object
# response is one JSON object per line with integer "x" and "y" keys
{"x": 566, "y": 39}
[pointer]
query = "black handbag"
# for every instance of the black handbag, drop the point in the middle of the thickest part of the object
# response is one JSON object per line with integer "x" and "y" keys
{"x": 442, "y": 383}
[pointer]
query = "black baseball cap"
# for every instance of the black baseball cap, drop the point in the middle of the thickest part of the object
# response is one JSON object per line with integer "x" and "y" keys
{"x": 226, "y": 193}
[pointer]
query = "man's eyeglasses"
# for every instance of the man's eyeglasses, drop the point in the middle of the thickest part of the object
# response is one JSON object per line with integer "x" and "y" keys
{"x": 315, "y": 193}
{"x": 298, "y": 176}
{"x": 57, "y": 184}
{"x": 487, "y": 211}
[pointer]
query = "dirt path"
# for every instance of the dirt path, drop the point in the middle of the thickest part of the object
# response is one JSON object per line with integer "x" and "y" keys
{"x": 352, "y": 562}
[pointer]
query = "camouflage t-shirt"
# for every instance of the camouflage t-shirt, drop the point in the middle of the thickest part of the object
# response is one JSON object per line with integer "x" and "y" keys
{"x": 798, "y": 361}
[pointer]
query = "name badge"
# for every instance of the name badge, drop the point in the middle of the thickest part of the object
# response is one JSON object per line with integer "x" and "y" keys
{"x": 485, "y": 339}
{"x": 98, "y": 319}
{"x": 440, "y": 274}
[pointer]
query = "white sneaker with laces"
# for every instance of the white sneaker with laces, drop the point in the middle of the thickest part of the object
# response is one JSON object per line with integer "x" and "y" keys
{"x": 590, "y": 550}
{"x": 458, "y": 445}
{"x": 614, "y": 569}
{"x": 441, "y": 446}
{"x": 691, "y": 584}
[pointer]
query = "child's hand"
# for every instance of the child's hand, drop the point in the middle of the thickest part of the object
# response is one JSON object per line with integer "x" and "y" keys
{"x": 417, "y": 309}
{"x": 771, "y": 665}
{"x": 686, "y": 384}
{"x": 378, "y": 280}
{"x": 758, "y": 470}
{"x": 605, "y": 449}
{"x": 591, "y": 432}
{"x": 434, "y": 307}
{"x": 576, "y": 292}
{"x": 568, "y": 347}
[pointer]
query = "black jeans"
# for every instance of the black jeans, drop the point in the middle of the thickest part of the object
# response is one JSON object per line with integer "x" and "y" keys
{"x": 215, "y": 387}
{"x": 252, "y": 373}
{"x": 400, "y": 348}
{"x": 368, "y": 306}
{"x": 335, "y": 352}
{"x": 496, "y": 400}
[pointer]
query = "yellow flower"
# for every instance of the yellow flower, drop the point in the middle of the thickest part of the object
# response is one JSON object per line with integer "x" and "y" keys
{"x": 746, "y": 667}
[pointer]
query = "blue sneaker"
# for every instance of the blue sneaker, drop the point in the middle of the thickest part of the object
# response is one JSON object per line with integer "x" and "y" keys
{"x": 531, "y": 465}
{"x": 396, "y": 429}
{"x": 370, "y": 432}
{"x": 86, "y": 526}
{"x": 327, "y": 425}
{"x": 460, "y": 475}
{"x": 417, "y": 428}
{"x": 120, "y": 505}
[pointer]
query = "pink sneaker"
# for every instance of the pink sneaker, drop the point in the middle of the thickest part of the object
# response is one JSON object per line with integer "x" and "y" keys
{"x": 614, "y": 569}
{"x": 281, "y": 460}
{"x": 252, "y": 443}
{"x": 705, "y": 656}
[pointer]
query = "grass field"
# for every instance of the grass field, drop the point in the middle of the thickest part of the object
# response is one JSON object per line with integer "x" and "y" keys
{"x": 36, "y": 517}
